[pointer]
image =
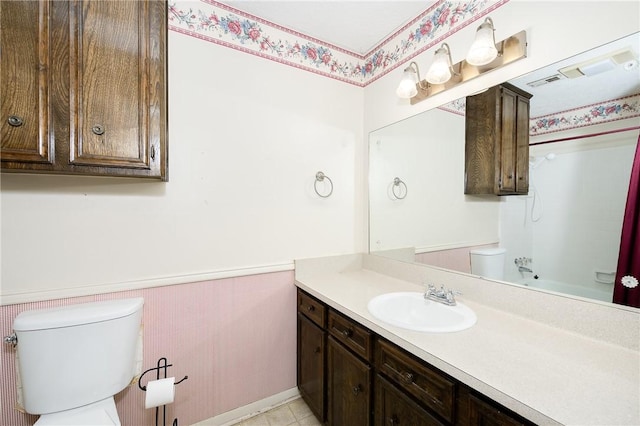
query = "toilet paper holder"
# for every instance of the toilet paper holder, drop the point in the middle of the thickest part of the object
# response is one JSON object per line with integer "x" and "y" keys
{"x": 163, "y": 366}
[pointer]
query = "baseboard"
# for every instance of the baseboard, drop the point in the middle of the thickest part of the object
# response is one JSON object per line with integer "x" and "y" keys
{"x": 242, "y": 413}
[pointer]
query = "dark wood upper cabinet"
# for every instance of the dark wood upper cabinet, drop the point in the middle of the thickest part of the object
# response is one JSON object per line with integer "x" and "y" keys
{"x": 497, "y": 142}
{"x": 84, "y": 87}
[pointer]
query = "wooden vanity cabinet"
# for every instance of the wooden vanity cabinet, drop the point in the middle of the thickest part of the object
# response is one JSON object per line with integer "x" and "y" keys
{"x": 311, "y": 359}
{"x": 83, "y": 87}
{"x": 497, "y": 142}
{"x": 349, "y": 376}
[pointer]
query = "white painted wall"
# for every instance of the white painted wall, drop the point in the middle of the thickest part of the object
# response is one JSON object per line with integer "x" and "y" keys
{"x": 246, "y": 138}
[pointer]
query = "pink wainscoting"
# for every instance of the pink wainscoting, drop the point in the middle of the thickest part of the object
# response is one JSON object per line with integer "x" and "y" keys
{"x": 455, "y": 259}
{"x": 235, "y": 338}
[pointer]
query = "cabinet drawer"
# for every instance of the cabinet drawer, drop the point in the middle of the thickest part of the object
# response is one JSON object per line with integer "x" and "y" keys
{"x": 351, "y": 334}
{"x": 429, "y": 386}
{"x": 312, "y": 308}
{"x": 474, "y": 409}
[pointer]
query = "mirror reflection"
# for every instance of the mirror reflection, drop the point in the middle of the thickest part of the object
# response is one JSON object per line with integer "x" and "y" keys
{"x": 564, "y": 235}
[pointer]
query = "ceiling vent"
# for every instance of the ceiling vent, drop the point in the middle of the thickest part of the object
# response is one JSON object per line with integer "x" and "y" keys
{"x": 546, "y": 80}
{"x": 599, "y": 65}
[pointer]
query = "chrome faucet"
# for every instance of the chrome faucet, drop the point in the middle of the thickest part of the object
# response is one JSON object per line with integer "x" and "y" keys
{"x": 522, "y": 262}
{"x": 447, "y": 297}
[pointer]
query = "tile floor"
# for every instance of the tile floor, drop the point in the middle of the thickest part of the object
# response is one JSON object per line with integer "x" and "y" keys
{"x": 293, "y": 413}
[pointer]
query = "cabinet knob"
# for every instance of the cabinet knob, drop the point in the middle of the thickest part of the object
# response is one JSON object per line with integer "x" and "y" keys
{"x": 356, "y": 389}
{"x": 406, "y": 377}
{"x": 311, "y": 308}
{"x": 98, "y": 129}
{"x": 347, "y": 333}
{"x": 15, "y": 121}
{"x": 393, "y": 420}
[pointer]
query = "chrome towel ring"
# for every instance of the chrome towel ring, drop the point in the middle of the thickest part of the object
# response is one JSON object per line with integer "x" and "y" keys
{"x": 320, "y": 177}
{"x": 397, "y": 186}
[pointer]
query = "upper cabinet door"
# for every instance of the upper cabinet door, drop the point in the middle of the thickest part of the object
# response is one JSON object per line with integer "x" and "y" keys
{"x": 107, "y": 99}
{"x": 112, "y": 96}
{"x": 24, "y": 82}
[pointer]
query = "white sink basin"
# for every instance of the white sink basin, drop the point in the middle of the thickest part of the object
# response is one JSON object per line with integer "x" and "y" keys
{"x": 411, "y": 311}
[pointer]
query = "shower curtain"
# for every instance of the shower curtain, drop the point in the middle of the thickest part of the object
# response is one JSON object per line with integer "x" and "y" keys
{"x": 626, "y": 290}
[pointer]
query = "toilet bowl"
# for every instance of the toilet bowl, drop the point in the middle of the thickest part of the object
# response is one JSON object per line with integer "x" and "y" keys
{"x": 488, "y": 262}
{"x": 101, "y": 413}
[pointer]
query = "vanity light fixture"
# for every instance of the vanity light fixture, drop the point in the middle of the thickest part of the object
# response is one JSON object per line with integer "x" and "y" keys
{"x": 441, "y": 69}
{"x": 442, "y": 75}
{"x": 408, "y": 87}
{"x": 483, "y": 50}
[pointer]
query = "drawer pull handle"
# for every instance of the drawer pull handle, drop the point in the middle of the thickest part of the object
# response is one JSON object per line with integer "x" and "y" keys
{"x": 153, "y": 152}
{"x": 407, "y": 377}
{"x": 15, "y": 121}
{"x": 311, "y": 308}
{"x": 98, "y": 129}
{"x": 356, "y": 390}
{"x": 347, "y": 333}
{"x": 317, "y": 350}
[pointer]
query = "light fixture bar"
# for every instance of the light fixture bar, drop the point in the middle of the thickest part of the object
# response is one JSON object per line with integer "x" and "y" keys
{"x": 512, "y": 49}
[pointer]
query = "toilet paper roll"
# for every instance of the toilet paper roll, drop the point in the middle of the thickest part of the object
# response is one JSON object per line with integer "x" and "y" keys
{"x": 160, "y": 392}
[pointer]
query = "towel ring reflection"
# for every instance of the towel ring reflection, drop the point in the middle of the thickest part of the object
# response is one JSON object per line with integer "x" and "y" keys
{"x": 320, "y": 177}
{"x": 397, "y": 185}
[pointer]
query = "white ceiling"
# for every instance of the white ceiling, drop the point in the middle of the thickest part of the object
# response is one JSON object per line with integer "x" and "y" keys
{"x": 361, "y": 25}
{"x": 355, "y": 25}
{"x": 569, "y": 93}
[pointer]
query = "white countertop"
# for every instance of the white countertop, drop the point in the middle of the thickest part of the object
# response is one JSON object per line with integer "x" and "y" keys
{"x": 545, "y": 373}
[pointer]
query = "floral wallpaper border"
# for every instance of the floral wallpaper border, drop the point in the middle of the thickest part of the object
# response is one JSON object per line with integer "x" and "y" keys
{"x": 601, "y": 112}
{"x": 589, "y": 115}
{"x": 221, "y": 24}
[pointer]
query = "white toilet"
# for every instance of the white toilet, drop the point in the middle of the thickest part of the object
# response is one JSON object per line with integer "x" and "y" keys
{"x": 488, "y": 262}
{"x": 74, "y": 359}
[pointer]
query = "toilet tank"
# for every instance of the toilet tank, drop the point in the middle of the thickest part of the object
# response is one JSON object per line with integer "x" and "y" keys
{"x": 74, "y": 355}
{"x": 488, "y": 262}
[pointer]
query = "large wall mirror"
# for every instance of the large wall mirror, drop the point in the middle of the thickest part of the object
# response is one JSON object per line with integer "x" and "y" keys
{"x": 564, "y": 235}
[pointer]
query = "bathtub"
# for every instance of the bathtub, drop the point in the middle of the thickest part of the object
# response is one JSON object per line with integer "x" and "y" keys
{"x": 605, "y": 295}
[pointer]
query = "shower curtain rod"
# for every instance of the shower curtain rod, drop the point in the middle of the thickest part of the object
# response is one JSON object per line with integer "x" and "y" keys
{"x": 585, "y": 136}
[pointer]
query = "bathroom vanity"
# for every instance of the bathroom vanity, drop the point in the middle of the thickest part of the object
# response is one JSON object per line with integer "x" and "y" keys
{"x": 531, "y": 358}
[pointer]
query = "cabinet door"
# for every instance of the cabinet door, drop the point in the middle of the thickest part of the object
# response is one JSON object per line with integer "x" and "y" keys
{"x": 392, "y": 407}
{"x": 522, "y": 145}
{"x": 311, "y": 365}
{"x": 349, "y": 387}
{"x": 24, "y": 82}
{"x": 506, "y": 143}
{"x": 115, "y": 89}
